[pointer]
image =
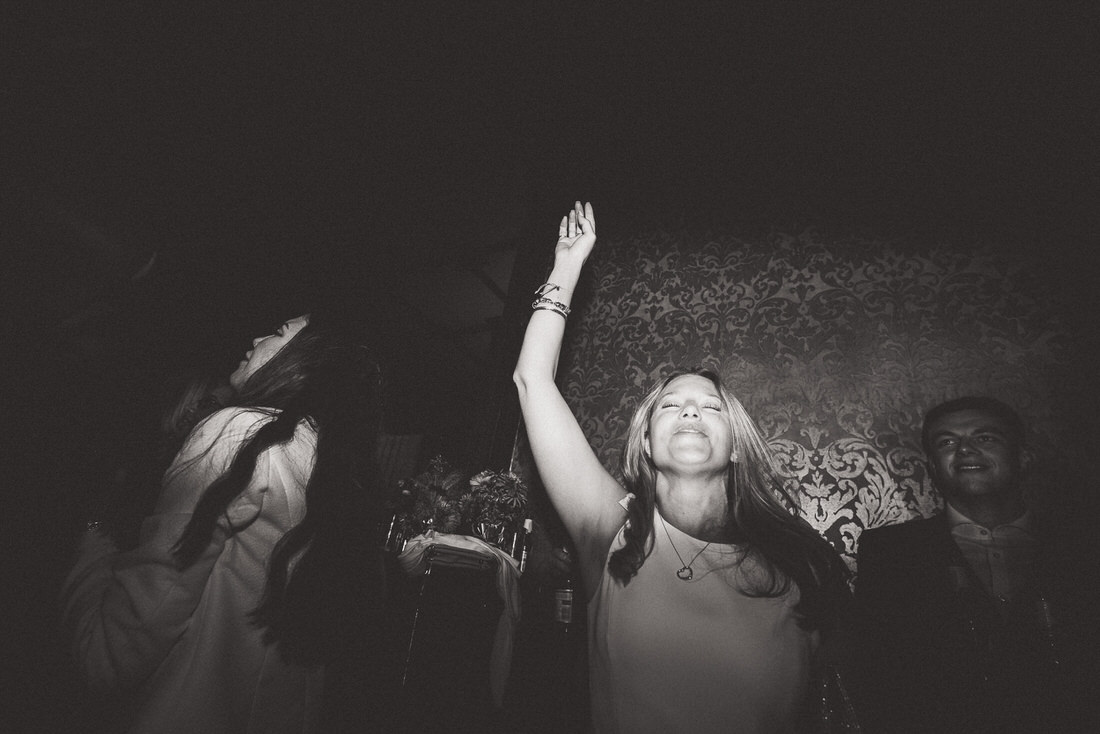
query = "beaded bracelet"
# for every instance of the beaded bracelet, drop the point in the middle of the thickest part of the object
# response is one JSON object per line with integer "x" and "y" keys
{"x": 552, "y": 305}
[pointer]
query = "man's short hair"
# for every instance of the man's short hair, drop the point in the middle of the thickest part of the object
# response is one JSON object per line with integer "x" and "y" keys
{"x": 1003, "y": 411}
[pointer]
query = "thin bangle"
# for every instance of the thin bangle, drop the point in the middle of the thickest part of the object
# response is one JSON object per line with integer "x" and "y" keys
{"x": 563, "y": 314}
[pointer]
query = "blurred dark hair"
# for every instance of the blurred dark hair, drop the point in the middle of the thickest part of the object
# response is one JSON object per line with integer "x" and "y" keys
{"x": 1008, "y": 416}
{"x": 201, "y": 397}
{"x": 326, "y": 377}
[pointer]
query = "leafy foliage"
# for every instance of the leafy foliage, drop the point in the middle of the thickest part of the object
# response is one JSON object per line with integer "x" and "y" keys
{"x": 443, "y": 499}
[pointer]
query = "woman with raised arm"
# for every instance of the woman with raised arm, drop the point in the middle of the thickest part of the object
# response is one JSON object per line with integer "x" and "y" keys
{"x": 707, "y": 597}
{"x": 258, "y": 570}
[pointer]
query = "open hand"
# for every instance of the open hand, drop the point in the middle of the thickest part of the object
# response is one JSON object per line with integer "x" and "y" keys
{"x": 576, "y": 234}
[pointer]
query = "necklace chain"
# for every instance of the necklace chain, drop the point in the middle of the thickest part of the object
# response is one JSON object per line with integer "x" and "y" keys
{"x": 685, "y": 573}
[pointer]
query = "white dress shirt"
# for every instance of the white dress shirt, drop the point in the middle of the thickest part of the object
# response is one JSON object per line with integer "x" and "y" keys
{"x": 1003, "y": 558}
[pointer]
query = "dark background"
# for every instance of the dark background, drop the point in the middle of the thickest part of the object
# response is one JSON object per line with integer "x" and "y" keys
{"x": 273, "y": 156}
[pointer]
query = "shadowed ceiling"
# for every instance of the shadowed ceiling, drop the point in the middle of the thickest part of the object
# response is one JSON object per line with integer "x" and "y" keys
{"x": 403, "y": 156}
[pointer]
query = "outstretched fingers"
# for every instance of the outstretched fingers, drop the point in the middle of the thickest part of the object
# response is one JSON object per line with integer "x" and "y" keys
{"x": 586, "y": 219}
{"x": 576, "y": 223}
{"x": 577, "y": 231}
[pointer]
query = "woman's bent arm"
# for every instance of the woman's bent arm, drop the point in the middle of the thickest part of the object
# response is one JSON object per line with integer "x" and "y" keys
{"x": 125, "y": 612}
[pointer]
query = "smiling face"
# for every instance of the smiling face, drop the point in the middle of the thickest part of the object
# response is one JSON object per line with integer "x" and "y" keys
{"x": 689, "y": 427}
{"x": 263, "y": 349}
{"x": 974, "y": 457}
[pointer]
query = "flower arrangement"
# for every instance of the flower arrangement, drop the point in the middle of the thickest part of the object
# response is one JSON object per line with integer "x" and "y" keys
{"x": 430, "y": 500}
{"x": 496, "y": 502}
{"x": 441, "y": 498}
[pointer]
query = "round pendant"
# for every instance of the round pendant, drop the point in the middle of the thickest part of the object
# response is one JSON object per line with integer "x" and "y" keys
{"x": 684, "y": 574}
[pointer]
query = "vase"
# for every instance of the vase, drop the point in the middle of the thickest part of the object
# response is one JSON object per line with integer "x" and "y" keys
{"x": 491, "y": 533}
{"x": 393, "y": 539}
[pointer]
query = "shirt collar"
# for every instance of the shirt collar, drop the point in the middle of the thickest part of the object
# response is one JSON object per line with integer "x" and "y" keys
{"x": 956, "y": 518}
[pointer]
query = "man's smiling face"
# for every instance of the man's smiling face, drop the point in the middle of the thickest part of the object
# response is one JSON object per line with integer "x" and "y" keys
{"x": 973, "y": 455}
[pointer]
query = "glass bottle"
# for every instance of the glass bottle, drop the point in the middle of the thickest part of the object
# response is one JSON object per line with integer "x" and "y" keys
{"x": 525, "y": 547}
{"x": 563, "y": 600}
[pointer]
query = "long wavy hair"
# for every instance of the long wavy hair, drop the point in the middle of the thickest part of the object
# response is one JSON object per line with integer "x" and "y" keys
{"x": 325, "y": 377}
{"x": 787, "y": 549}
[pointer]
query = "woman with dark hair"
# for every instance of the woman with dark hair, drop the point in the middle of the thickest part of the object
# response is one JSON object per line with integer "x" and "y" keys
{"x": 258, "y": 567}
{"x": 200, "y": 397}
{"x": 707, "y": 597}
{"x": 134, "y": 486}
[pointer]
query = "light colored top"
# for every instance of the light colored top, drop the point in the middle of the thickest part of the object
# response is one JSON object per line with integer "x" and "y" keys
{"x": 1003, "y": 558}
{"x": 700, "y": 656}
{"x": 180, "y": 641}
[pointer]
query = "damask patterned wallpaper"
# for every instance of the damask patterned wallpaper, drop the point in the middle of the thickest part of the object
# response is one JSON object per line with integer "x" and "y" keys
{"x": 835, "y": 343}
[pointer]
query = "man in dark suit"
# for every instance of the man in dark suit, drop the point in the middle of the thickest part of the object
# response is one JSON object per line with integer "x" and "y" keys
{"x": 983, "y": 618}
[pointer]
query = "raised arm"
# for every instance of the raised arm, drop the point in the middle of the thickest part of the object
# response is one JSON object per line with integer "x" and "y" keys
{"x": 584, "y": 494}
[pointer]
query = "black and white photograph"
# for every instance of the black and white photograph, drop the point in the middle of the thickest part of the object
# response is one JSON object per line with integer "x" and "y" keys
{"x": 534, "y": 367}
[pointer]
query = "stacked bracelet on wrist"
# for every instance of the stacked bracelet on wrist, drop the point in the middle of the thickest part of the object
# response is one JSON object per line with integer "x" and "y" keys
{"x": 542, "y": 303}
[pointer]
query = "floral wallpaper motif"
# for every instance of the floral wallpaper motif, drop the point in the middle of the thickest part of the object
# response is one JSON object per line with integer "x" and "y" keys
{"x": 836, "y": 344}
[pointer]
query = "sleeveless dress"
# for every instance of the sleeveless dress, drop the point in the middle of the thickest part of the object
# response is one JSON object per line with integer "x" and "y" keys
{"x": 668, "y": 655}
